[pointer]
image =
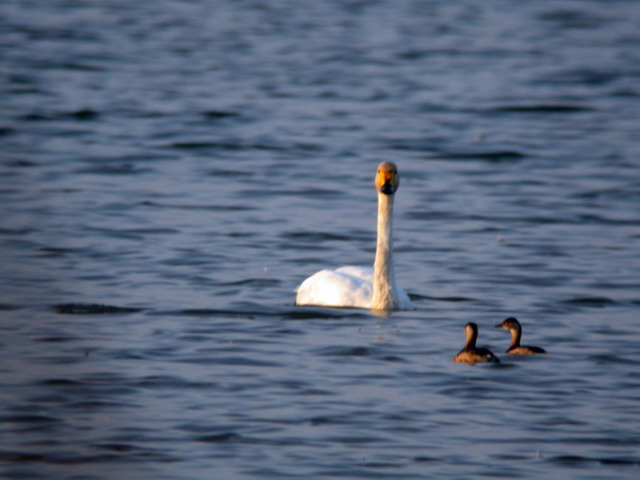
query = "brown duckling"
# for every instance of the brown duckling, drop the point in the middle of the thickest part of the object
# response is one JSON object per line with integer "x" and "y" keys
{"x": 515, "y": 348}
{"x": 472, "y": 354}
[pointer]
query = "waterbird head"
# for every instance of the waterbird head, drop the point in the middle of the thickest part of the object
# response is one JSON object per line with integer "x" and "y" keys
{"x": 387, "y": 179}
{"x": 471, "y": 330}
{"x": 510, "y": 323}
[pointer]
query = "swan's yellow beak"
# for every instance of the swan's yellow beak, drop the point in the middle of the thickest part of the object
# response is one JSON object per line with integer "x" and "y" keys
{"x": 387, "y": 179}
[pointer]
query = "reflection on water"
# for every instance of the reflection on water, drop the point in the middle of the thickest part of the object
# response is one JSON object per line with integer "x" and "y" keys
{"x": 170, "y": 172}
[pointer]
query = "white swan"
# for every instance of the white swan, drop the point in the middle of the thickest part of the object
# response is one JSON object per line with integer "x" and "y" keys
{"x": 364, "y": 287}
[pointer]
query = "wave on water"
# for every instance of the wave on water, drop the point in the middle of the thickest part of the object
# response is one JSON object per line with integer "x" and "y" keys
{"x": 93, "y": 309}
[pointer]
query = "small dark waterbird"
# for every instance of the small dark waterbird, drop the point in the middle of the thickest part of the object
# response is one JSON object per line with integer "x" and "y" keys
{"x": 513, "y": 325}
{"x": 472, "y": 354}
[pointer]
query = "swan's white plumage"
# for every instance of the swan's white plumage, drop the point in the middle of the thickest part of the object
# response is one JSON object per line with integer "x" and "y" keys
{"x": 363, "y": 287}
{"x": 349, "y": 286}
{"x": 343, "y": 287}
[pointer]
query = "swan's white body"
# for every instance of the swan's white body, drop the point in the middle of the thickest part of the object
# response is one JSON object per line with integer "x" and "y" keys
{"x": 363, "y": 287}
{"x": 344, "y": 287}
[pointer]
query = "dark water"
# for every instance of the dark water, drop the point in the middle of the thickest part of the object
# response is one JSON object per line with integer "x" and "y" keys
{"x": 171, "y": 170}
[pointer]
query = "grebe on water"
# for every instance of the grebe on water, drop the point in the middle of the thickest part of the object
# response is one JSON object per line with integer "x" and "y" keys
{"x": 515, "y": 348}
{"x": 472, "y": 354}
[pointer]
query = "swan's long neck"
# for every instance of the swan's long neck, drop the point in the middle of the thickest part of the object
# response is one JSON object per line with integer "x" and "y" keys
{"x": 384, "y": 294}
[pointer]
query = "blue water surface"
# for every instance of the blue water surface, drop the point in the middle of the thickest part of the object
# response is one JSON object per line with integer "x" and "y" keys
{"x": 170, "y": 171}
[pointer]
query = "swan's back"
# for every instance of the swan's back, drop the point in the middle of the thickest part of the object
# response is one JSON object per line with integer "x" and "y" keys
{"x": 343, "y": 287}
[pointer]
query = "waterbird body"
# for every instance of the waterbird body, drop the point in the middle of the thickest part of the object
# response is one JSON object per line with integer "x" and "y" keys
{"x": 513, "y": 325}
{"x": 364, "y": 287}
{"x": 472, "y": 354}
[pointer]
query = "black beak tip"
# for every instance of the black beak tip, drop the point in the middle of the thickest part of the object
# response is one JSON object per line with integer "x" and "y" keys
{"x": 387, "y": 188}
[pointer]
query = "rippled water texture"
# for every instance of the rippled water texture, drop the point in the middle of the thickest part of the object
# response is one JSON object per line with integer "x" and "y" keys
{"x": 170, "y": 171}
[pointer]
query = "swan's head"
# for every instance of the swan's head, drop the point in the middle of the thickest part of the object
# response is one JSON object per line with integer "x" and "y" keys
{"x": 387, "y": 180}
{"x": 509, "y": 324}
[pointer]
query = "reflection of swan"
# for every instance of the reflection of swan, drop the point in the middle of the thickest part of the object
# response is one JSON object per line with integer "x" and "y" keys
{"x": 364, "y": 287}
{"x": 472, "y": 354}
